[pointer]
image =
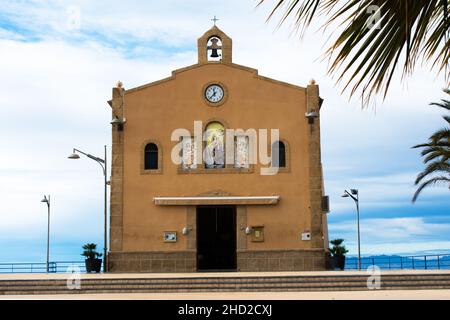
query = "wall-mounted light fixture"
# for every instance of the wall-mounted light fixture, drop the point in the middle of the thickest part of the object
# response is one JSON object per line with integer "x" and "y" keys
{"x": 118, "y": 122}
{"x": 310, "y": 116}
{"x": 248, "y": 230}
{"x": 186, "y": 231}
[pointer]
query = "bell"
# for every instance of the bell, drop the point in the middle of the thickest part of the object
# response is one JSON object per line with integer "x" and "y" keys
{"x": 214, "y": 47}
{"x": 214, "y": 53}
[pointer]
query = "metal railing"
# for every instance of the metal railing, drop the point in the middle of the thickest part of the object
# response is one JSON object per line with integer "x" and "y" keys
{"x": 424, "y": 262}
{"x": 38, "y": 267}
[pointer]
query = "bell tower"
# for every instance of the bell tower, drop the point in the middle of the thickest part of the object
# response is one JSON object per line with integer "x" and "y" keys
{"x": 214, "y": 46}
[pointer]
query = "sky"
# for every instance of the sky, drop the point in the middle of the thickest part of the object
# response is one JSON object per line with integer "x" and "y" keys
{"x": 60, "y": 59}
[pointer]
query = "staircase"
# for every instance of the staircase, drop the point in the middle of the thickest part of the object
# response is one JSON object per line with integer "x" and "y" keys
{"x": 338, "y": 281}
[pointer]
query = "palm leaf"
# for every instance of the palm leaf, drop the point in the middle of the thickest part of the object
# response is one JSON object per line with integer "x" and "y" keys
{"x": 433, "y": 181}
{"x": 439, "y": 153}
{"x": 436, "y": 153}
{"x": 443, "y": 134}
{"x": 367, "y": 58}
{"x": 432, "y": 168}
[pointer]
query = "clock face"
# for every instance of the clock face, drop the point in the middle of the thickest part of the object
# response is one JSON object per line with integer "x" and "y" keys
{"x": 214, "y": 93}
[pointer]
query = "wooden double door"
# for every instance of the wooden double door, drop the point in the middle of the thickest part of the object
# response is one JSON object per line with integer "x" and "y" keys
{"x": 216, "y": 238}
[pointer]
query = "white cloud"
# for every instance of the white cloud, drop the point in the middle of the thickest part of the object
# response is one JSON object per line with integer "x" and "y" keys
{"x": 393, "y": 235}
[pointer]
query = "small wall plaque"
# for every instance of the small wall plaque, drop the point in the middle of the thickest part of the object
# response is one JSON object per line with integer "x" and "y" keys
{"x": 258, "y": 234}
{"x": 170, "y": 236}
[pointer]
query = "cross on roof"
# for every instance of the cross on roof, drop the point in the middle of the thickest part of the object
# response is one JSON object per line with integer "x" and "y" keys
{"x": 215, "y": 20}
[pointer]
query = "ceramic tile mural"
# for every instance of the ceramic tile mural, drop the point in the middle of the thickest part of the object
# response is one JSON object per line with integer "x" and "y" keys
{"x": 241, "y": 159}
{"x": 214, "y": 153}
{"x": 189, "y": 153}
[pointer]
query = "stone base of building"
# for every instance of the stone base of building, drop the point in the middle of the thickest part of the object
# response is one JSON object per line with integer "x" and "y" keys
{"x": 156, "y": 261}
{"x": 186, "y": 261}
{"x": 281, "y": 260}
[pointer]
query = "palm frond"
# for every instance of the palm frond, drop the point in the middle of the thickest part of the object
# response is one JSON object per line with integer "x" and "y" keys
{"x": 422, "y": 145}
{"x": 440, "y": 155}
{"x": 444, "y": 104}
{"x": 442, "y": 134}
{"x": 436, "y": 154}
{"x": 365, "y": 54}
{"x": 433, "y": 181}
{"x": 434, "y": 167}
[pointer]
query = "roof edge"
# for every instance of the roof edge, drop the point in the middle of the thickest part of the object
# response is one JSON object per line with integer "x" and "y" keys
{"x": 229, "y": 64}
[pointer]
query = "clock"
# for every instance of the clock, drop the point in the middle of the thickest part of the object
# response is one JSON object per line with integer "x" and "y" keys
{"x": 214, "y": 93}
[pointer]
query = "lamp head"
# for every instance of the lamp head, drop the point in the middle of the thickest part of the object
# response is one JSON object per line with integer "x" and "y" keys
{"x": 45, "y": 200}
{"x": 311, "y": 115}
{"x": 345, "y": 195}
{"x": 74, "y": 156}
{"x": 116, "y": 120}
{"x": 354, "y": 191}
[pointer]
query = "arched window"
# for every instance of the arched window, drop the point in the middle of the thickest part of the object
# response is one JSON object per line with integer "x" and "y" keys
{"x": 214, "y": 153}
{"x": 151, "y": 157}
{"x": 278, "y": 154}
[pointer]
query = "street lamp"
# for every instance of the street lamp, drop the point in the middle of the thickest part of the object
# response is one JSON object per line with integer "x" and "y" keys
{"x": 354, "y": 194}
{"x": 47, "y": 201}
{"x": 75, "y": 155}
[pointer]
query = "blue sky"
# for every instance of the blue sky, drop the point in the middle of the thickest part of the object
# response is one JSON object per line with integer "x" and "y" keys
{"x": 58, "y": 62}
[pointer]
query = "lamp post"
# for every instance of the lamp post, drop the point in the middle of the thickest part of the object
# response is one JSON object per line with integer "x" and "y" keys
{"x": 47, "y": 201}
{"x": 103, "y": 164}
{"x": 354, "y": 194}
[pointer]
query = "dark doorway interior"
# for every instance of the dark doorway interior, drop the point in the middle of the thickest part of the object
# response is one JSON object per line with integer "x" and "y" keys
{"x": 216, "y": 238}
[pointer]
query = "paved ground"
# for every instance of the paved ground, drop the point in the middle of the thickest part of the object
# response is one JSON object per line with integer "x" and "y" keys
{"x": 24, "y": 276}
{"x": 339, "y": 295}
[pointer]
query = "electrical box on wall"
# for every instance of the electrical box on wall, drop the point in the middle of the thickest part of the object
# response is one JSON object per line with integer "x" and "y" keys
{"x": 306, "y": 236}
{"x": 258, "y": 234}
{"x": 170, "y": 236}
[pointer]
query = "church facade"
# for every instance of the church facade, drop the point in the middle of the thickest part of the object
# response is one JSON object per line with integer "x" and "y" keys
{"x": 216, "y": 168}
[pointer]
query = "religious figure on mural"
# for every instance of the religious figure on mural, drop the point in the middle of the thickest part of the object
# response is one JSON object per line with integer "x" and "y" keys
{"x": 241, "y": 152}
{"x": 214, "y": 151}
{"x": 189, "y": 153}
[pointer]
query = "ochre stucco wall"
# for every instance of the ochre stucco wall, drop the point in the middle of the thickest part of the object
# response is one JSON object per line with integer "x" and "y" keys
{"x": 153, "y": 112}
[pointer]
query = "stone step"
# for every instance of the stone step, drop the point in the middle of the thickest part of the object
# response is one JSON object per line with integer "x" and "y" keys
{"x": 236, "y": 279}
{"x": 188, "y": 289}
{"x": 214, "y": 284}
{"x": 159, "y": 282}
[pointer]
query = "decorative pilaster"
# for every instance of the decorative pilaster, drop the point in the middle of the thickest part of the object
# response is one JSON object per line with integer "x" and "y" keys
{"x": 315, "y": 166}
{"x": 116, "y": 198}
